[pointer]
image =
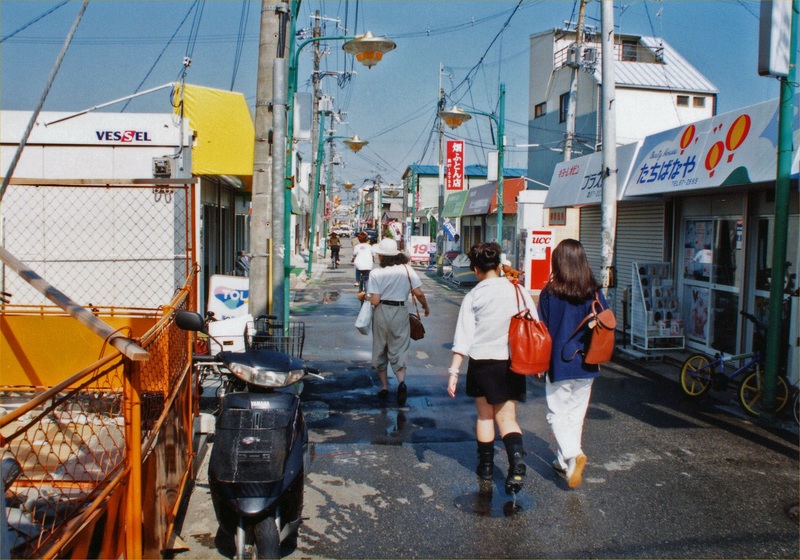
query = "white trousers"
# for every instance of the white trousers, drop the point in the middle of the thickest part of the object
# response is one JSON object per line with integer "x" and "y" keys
{"x": 567, "y": 402}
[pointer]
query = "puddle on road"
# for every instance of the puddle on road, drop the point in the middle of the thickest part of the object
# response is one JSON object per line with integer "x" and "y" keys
{"x": 490, "y": 501}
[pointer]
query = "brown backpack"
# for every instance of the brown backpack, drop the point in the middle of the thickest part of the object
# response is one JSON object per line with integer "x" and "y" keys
{"x": 602, "y": 324}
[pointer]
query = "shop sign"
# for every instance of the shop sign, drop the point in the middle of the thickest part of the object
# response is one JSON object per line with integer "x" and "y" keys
{"x": 123, "y": 136}
{"x": 455, "y": 165}
{"x": 735, "y": 148}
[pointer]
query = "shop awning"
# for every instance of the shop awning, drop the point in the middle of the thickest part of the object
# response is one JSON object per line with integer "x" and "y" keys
{"x": 511, "y": 189}
{"x": 224, "y": 131}
{"x": 478, "y": 200}
{"x": 579, "y": 182}
{"x": 454, "y": 204}
{"x": 736, "y": 148}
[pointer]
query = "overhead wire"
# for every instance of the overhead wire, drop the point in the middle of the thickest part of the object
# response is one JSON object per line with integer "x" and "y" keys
{"x": 34, "y": 20}
{"x": 237, "y": 57}
{"x": 158, "y": 58}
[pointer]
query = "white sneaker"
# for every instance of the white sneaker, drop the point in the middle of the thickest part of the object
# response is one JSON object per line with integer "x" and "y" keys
{"x": 558, "y": 468}
{"x": 575, "y": 470}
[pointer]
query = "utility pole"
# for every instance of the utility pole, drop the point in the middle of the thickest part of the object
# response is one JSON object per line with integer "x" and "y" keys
{"x": 316, "y": 132}
{"x": 439, "y": 232}
{"x": 609, "y": 198}
{"x": 781, "y": 224}
{"x": 576, "y": 65}
{"x": 262, "y": 207}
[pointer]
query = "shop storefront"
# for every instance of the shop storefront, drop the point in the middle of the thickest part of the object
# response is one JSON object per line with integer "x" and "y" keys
{"x": 700, "y": 197}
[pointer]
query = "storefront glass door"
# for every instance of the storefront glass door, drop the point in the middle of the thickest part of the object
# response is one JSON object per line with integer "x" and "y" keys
{"x": 712, "y": 278}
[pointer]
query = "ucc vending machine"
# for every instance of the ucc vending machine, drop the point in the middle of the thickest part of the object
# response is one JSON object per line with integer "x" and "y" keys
{"x": 537, "y": 246}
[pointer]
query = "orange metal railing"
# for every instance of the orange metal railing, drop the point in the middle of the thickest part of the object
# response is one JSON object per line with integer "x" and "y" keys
{"x": 103, "y": 450}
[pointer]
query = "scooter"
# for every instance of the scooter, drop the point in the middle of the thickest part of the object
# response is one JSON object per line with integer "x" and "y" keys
{"x": 256, "y": 471}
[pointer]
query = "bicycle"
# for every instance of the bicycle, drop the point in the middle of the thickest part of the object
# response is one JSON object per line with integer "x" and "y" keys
{"x": 335, "y": 257}
{"x": 699, "y": 374}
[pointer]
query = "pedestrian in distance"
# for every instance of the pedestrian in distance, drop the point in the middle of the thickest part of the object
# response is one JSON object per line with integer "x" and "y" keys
{"x": 334, "y": 243}
{"x": 564, "y": 302}
{"x": 242, "y": 267}
{"x": 363, "y": 260}
{"x": 482, "y": 335}
{"x": 389, "y": 288}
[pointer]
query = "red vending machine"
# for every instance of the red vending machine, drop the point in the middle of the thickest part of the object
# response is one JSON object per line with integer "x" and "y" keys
{"x": 538, "y": 248}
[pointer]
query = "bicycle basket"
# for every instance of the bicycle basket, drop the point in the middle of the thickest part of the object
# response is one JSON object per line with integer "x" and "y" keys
{"x": 268, "y": 334}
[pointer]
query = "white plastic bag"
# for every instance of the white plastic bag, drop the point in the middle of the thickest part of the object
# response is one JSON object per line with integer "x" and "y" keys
{"x": 364, "y": 318}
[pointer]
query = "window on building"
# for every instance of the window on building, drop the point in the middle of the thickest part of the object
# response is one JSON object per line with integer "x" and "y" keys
{"x": 683, "y": 101}
{"x": 563, "y": 107}
{"x": 699, "y": 102}
{"x": 629, "y": 51}
{"x": 539, "y": 110}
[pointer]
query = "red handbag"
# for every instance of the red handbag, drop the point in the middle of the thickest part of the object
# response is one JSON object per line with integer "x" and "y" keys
{"x": 529, "y": 342}
{"x": 601, "y": 324}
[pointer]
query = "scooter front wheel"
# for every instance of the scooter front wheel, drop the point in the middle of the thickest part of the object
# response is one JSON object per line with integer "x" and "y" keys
{"x": 267, "y": 540}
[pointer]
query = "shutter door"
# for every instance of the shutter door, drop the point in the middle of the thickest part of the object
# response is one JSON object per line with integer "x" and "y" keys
{"x": 640, "y": 238}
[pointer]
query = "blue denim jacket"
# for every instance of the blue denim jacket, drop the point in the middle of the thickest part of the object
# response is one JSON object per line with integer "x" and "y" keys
{"x": 562, "y": 318}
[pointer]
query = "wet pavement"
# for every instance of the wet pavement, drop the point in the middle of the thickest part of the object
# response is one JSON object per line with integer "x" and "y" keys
{"x": 666, "y": 477}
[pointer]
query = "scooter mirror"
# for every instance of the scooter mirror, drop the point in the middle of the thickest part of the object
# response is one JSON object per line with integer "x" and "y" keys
{"x": 190, "y": 321}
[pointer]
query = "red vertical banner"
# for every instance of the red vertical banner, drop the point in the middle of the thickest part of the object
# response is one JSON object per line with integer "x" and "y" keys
{"x": 454, "y": 180}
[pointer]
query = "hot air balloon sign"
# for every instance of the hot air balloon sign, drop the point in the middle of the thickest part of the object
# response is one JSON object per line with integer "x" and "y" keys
{"x": 737, "y": 133}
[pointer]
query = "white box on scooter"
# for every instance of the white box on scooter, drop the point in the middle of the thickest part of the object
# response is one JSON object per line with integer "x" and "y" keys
{"x": 229, "y": 332}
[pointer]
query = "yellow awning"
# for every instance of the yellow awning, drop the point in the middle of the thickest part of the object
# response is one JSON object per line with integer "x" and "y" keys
{"x": 224, "y": 131}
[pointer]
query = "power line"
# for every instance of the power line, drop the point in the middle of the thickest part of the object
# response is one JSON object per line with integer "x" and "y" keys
{"x": 27, "y": 25}
{"x": 158, "y": 58}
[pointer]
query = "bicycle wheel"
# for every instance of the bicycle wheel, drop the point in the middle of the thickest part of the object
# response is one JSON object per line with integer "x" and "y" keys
{"x": 796, "y": 407}
{"x": 696, "y": 375}
{"x": 751, "y": 391}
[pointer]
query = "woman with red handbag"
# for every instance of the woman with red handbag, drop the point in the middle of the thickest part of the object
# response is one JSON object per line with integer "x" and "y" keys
{"x": 482, "y": 334}
{"x": 563, "y": 304}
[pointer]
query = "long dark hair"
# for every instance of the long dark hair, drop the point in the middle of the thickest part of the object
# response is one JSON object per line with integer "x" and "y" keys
{"x": 572, "y": 278}
{"x": 399, "y": 258}
{"x": 485, "y": 256}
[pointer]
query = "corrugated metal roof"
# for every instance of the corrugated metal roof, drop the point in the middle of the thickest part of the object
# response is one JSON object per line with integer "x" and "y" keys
{"x": 674, "y": 73}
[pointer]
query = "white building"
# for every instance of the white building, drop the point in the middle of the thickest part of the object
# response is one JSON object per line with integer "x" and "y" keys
{"x": 98, "y": 201}
{"x": 656, "y": 89}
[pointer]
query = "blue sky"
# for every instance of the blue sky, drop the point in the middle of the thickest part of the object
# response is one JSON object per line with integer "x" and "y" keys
{"x": 124, "y": 45}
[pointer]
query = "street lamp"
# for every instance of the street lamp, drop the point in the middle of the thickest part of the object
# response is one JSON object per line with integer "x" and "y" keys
{"x": 355, "y": 143}
{"x": 368, "y": 50}
{"x": 455, "y": 117}
{"x": 352, "y": 142}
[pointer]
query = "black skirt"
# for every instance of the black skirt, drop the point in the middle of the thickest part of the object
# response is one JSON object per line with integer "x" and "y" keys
{"x": 492, "y": 379}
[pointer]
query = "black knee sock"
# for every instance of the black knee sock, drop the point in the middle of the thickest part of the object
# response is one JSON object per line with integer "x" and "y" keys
{"x": 512, "y": 439}
{"x": 486, "y": 446}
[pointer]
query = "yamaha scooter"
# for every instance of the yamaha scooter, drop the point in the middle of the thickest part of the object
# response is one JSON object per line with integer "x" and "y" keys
{"x": 256, "y": 472}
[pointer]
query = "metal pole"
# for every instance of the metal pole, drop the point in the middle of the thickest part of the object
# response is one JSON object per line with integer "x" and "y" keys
{"x": 261, "y": 219}
{"x": 320, "y": 152}
{"x": 316, "y": 132}
{"x": 39, "y": 105}
{"x": 572, "y": 107}
{"x": 781, "y": 226}
{"x": 326, "y": 193}
{"x": 282, "y": 168}
{"x": 500, "y": 170}
{"x": 279, "y": 248}
{"x": 439, "y": 219}
{"x": 413, "y": 199}
{"x": 609, "y": 198}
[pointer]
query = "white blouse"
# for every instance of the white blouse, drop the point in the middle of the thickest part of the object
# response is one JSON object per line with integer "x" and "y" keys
{"x": 484, "y": 318}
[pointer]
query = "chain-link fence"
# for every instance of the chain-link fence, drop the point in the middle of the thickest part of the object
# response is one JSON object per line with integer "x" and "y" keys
{"x": 89, "y": 455}
{"x": 120, "y": 246}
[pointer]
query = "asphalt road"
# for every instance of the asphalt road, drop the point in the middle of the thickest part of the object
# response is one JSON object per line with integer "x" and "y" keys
{"x": 666, "y": 477}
